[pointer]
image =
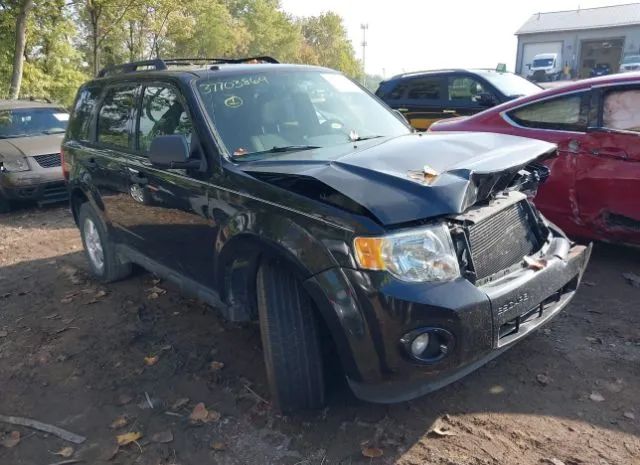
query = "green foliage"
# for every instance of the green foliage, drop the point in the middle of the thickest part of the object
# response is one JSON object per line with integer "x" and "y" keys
{"x": 67, "y": 41}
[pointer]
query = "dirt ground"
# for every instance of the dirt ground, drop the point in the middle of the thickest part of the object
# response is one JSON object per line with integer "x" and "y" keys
{"x": 82, "y": 356}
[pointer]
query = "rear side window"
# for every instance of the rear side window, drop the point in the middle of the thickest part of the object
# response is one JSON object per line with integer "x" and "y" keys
{"x": 114, "y": 119}
{"x": 425, "y": 89}
{"x": 398, "y": 92}
{"x": 568, "y": 113}
{"x": 80, "y": 123}
{"x": 620, "y": 110}
{"x": 465, "y": 90}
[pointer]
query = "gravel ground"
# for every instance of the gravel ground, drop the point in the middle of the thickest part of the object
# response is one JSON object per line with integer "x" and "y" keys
{"x": 136, "y": 357}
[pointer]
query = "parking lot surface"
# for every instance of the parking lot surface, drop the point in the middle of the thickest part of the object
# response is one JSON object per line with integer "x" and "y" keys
{"x": 136, "y": 357}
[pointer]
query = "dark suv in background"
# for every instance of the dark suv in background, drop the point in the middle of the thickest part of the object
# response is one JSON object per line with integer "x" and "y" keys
{"x": 424, "y": 97}
{"x": 289, "y": 195}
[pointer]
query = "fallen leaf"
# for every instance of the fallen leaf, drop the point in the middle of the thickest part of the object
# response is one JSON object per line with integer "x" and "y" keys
{"x": 588, "y": 283}
{"x": 554, "y": 461}
{"x": 542, "y": 379}
{"x": 151, "y": 360}
{"x": 155, "y": 292}
{"x": 65, "y": 452}
{"x": 596, "y": 397}
{"x": 216, "y": 366}
{"x": 178, "y": 404}
{"x": 120, "y": 422}
{"x": 442, "y": 432}
{"x": 372, "y": 452}
{"x": 128, "y": 438}
{"x": 629, "y": 415}
{"x": 12, "y": 440}
{"x": 218, "y": 445}
{"x": 124, "y": 399}
{"x": 201, "y": 414}
{"x": 162, "y": 437}
{"x": 100, "y": 294}
{"x": 594, "y": 340}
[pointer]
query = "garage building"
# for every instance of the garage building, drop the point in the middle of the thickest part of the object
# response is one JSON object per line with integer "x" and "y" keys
{"x": 582, "y": 38}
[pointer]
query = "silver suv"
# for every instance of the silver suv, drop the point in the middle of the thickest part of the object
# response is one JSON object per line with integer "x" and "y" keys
{"x": 30, "y": 167}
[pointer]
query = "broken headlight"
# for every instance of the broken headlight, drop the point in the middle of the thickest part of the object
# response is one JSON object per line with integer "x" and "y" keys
{"x": 417, "y": 255}
{"x": 12, "y": 165}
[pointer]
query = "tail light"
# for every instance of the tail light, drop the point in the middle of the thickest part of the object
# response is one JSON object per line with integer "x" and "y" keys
{"x": 65, "y": 165}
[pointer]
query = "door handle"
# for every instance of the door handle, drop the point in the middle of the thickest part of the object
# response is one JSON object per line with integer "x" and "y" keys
{"x": 449, "y": 112}
{"x": 610, "y": 152}
{"x": 92, "y": 163}
{"x": 403, "y": 109}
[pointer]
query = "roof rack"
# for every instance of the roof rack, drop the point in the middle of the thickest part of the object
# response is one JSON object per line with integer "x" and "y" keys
{"x": 160, "y": 64}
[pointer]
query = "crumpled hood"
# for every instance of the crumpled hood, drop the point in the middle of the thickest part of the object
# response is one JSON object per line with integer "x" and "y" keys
{"x": 379, "y": 175}
{"x": 19, "y": 147}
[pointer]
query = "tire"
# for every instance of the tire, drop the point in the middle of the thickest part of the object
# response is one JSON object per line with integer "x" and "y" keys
{"x": 5, "y": 206}
{"x": 111, "y": 267}
{"x": 289, "y": 330}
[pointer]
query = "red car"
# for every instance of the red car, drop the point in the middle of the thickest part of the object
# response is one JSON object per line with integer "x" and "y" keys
{"x": 594, "y": 188}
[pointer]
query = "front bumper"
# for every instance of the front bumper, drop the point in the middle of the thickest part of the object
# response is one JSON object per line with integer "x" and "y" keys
{"x": 43, "y": 184}
{"x": 374, "y": 312}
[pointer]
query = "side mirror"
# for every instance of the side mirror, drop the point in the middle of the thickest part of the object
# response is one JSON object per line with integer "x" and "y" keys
{"x": 486, "y": 100}
{"x": 171, "y": 152}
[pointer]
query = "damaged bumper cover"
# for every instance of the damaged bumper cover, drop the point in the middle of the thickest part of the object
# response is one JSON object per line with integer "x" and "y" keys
{"x": 483, "y": 320}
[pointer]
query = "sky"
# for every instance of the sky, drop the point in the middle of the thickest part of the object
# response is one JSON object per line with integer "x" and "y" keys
{"x": 411, "y": 35}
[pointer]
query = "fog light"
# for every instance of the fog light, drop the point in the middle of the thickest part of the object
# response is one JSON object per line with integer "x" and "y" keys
{"x": 419, "y": 344}
{"x": 428, "y": 345}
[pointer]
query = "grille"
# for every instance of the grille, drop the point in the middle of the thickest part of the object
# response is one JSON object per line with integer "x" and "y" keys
{"x": 501, "y": 240}
{"x": 50, "y": 160}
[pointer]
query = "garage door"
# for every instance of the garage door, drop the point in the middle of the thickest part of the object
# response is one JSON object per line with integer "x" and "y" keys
{"x": 533, "y": 49}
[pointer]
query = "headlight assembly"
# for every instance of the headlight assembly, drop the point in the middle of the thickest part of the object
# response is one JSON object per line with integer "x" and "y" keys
{"x": 418, "y": 255}
{"x": 12, "y": 165}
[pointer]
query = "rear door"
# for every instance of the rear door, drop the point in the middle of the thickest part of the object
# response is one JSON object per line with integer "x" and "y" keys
{"x": 421, "y": 100}
{"x": 608, "y": 174}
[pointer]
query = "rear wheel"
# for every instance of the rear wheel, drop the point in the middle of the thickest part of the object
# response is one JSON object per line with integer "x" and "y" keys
{"x": 290, "y": 339}
{"x": 100, "y": 250}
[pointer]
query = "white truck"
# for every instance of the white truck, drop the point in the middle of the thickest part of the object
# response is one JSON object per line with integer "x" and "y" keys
{"x": 546, "y": 67}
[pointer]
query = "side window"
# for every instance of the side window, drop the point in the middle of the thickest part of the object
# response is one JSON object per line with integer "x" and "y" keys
{"x": 80, "y": 122}
{"x": 398, "y": 92}
{"x": 620, "y": 110}
{"x": 568, "y": 113}
{"x": 162, "y": 114}
{"x": 465, "y": 90}
{"x": 425, "y": 89}
{"x": 114, "y": 119}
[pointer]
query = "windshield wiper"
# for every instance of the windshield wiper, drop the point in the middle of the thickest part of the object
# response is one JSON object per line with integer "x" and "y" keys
{"x": 360, "y": 139}
{"x": 282, "y": 149}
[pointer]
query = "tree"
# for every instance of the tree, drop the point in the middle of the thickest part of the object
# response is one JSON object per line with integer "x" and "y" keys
{"x": 327, "y": 36}
{"x": 20, "y": 44}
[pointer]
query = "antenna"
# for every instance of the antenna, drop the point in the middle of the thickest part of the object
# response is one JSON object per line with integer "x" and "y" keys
{"x": 364, "y": 27}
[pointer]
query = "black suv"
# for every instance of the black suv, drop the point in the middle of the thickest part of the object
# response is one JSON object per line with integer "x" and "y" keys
{"x": 290, "y": 195}
{"x": 424, "y": 97}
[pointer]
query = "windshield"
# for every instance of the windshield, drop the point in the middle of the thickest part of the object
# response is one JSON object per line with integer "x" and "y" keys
{"x": 511, "y": 85}
{"x": 631, "y": 59}
{"x": 274, "y": 111}
{"x": 542, "y": 62}
{"x": 21, "y": 122}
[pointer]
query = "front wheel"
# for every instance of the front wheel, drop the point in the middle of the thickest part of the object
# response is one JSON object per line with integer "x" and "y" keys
{"x": 99, "y": 249}
{"x": 290, "y": 341}
{"x": 5, "y": 206}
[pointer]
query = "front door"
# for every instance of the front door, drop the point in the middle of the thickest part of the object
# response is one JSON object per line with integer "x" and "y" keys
{"x": 608, "y": 174}
{"x": 562, "y": 120}
{"x": 421, "y": 101}
{"x": 465, "y": 94}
